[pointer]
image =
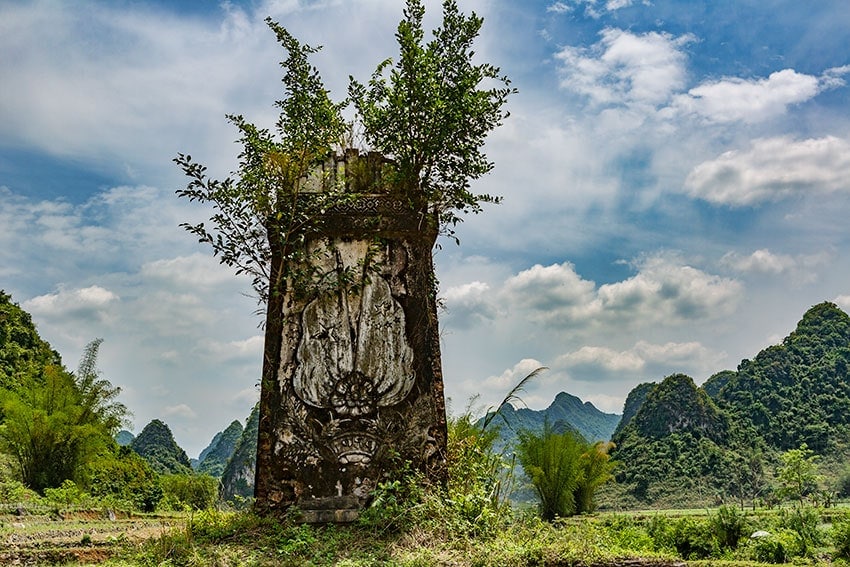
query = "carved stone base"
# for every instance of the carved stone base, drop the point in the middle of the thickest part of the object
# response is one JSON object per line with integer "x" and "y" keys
{"x": 334, "y": 509}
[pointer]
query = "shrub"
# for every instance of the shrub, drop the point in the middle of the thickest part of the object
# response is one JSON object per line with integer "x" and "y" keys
{"x": 67, "y": 494}
{"x": 127, "y": 477}
{"x": 479, "y": 479}
{"x": 843, "y": 483}
{"x": 628, "y": 532}
{"x": 805, "y": 522}
{"x": 196, "y": 491}
{"x": 694, "y": 539}
{"x": 840, "y": 535}
{"x": 729, "y": 525}
{"x": 14, "y": 492}
{"x": 778, "y": 547}
{"x": 661, "y": 530}
{"x": 395, "y": 503}
{"x": 565, "y": 470}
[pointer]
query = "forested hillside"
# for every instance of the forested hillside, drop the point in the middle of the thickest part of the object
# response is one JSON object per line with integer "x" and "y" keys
{"x": 237, "y": 480}
{"x": 722, "y": 440}
{"x": 157, "y": 446}
{"x": 213, "y": 459}
{"x": 23, "y": 353}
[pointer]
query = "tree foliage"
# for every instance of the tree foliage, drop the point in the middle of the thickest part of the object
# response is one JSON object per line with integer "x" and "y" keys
{"x": 125, "y": 476}
{"x": 193, "y": 491}
{"x": 798, "y": 475}
{"x": 55, "y": 423}
{"x": 259, "y": 203}
{"x": 432, "y": 110}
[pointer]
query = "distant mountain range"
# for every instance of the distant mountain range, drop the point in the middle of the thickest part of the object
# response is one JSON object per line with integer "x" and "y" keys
{"x": 230, "y": 456}
{"x": 565, "y": 412}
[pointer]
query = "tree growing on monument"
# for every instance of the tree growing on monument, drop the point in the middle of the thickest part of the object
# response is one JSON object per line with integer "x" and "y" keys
{"x": 428, "y": 113}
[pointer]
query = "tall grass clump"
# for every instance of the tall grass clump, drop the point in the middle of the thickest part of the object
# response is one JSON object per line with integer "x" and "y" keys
{"x": 564, "y": 469}
{"x": 730, "y": 525}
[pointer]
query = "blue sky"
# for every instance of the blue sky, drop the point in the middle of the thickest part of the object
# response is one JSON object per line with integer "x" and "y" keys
{"x": 675, "y": 176}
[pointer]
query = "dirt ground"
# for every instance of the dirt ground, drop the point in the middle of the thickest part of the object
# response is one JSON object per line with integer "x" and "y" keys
{"x": 81, "y": 536}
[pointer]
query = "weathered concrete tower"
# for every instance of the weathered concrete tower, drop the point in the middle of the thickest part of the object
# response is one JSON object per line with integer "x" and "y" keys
{"x": 352, "y": 382}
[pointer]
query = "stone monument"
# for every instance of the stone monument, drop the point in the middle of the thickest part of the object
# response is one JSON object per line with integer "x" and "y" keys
{"x": 352, "y": 384}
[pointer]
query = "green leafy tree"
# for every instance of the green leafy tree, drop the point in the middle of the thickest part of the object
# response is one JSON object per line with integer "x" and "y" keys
{"x": 56, "y": 422}
{"x": 432, "y": 110}
{"x": 745, "y": 474}
{"x": 798, "y": 475}
{"x": 595, "y": 468}
{"x": 195, "y": 491}
{"x": 125, "y": 476}
{"x": 261, "y": 202}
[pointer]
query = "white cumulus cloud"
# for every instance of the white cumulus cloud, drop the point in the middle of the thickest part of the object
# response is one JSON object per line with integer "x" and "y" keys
{"x": 734, "y": 99}
{"x": 90, "y": 302}
{"x": 625, "y": 68}
{"x": 773, "y": 169}
{"x": 644, "y": 360}
{"x": 179, "y": 410}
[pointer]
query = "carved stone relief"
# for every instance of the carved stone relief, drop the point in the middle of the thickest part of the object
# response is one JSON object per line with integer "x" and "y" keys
{"x": 352, "y": 383}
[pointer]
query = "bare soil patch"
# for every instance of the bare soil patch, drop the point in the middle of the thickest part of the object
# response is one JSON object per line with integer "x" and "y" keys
{"x": 75, "y": 536}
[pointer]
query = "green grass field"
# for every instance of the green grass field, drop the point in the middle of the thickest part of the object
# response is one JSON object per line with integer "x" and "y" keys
{"x": 676, "y": 537}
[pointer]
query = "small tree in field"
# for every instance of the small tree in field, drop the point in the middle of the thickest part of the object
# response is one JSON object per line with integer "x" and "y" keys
{"x": 798, "y": 476}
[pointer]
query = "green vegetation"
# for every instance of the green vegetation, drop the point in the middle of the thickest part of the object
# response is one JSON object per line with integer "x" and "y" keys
{"x": 23, "y": 353}
{"x": 564, "y": 469}
{"x": 428, "y": 119}
{"x": 677, "y": 432}
{"x": 56, "y": 423}
{"x": 798, "y": 477}
{"x": 237, "y": 480}
{"x": 430, "y": 116}
{"x": 126, "y": 480}
{"x": 189, "y": 491}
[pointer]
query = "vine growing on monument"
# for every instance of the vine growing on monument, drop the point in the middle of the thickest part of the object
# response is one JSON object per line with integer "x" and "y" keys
{"x": 427, "y": 114}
